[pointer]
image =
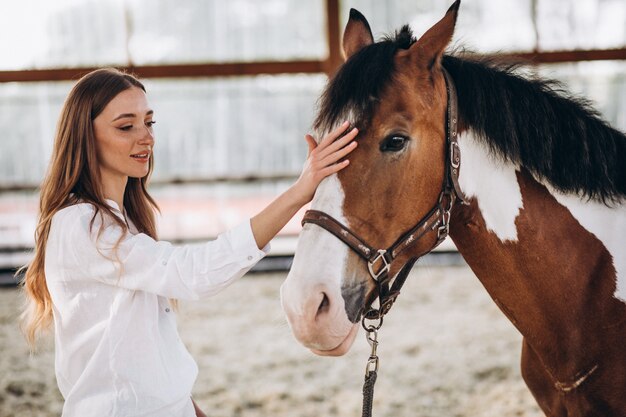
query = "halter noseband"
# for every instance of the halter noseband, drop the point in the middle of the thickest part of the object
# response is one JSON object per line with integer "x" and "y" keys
{"x": 438, "y": 218}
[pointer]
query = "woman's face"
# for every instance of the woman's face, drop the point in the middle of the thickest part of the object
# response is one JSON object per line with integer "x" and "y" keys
{"x": 124, "y": 137}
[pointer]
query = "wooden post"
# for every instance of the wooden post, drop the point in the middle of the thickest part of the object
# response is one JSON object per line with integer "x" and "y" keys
{"x": 335, "y": 58}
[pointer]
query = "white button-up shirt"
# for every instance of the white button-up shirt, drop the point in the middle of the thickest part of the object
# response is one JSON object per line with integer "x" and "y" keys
{"x": 117, "y": 349}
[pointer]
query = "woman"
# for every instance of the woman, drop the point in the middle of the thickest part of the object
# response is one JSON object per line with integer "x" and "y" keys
{"x": 99, "y": 272}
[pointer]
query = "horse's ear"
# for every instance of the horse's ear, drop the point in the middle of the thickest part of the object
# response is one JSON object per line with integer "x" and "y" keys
{"x": 357, "y": 34}
{"x": 429, "y": 49}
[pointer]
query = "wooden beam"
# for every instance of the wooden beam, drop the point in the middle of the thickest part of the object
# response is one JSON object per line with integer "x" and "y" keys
{"x": 333, "y": 34}
{"x": 287, "y": 67}
{"x": 173, "y": 71}
{"x": 576, "y": 55}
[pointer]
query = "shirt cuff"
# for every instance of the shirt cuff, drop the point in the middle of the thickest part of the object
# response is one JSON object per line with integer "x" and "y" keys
{"x": 242, "y": 241}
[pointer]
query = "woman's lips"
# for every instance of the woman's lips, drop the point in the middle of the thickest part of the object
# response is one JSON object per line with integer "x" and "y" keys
{"x": 141, "y": 157}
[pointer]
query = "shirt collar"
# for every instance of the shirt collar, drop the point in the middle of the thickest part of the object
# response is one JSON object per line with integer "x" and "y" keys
{"x": 112, "y": 204}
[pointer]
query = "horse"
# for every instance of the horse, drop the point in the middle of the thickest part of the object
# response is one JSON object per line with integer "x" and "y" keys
{"x": 527, "y": 179}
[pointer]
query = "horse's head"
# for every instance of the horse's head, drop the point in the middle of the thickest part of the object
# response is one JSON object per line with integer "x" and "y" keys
{"x": 394, "y": 91}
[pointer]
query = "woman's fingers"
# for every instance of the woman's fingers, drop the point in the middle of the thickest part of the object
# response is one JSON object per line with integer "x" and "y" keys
{"x": 330, "y": 138}
{"x": 329, "y": 170}
{"x": 339, "y": 143}
{"x": 328, "y": 153}
{"x": 340, "y": 153}
{"x": 323, "y": 158}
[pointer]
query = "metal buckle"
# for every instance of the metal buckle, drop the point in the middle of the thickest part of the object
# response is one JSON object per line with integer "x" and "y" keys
{"x": 444, "y": 229}
{"x": 386, "y": 265}
{"x": 455, "y": 152}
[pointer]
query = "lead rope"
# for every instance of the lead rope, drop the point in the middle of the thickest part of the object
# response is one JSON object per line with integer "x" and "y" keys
{"x": 371, "y": 368}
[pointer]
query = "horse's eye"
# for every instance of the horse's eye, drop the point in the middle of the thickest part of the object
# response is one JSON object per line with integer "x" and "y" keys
{"x": 393, "y": 143}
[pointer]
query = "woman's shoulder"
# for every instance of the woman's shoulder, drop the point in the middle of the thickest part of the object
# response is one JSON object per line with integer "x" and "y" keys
{"x": 84, "y": 219}
{"x": 77, "y": 218}
{"x": 74, "y": 213}
{"x": 68, "y": 229}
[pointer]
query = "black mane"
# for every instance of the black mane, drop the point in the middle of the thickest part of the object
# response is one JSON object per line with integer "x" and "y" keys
{"x": 531, "y": 122}
{"x": 538, "y": 125}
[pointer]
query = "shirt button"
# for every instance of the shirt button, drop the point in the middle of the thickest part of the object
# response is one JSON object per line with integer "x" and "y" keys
{"x": 250, "y": 257}
{"x": 164, "y": 263}
{"x": 167, "y": 310}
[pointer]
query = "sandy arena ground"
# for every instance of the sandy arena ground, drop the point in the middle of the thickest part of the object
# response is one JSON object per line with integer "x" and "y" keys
{"x": 446, "y": 351}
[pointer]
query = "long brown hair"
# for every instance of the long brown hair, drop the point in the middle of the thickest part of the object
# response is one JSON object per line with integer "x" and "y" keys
{"x": 73, "y": 176}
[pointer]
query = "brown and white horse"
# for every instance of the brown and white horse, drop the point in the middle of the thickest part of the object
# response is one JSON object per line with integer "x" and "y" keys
{"x": 544, "y": 225}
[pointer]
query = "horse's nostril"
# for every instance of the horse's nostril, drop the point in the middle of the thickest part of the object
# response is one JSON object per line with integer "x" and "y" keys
{"x": 324, "y": 305}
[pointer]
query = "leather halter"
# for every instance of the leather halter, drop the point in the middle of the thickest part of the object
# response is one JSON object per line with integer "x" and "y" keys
{"x": 437, "y": 219}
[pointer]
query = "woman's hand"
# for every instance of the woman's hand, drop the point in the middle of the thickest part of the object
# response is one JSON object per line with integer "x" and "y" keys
{"x": 322, "y": 160}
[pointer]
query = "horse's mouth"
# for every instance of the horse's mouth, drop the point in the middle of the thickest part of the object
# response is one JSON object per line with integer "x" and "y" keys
{"x": 343, "y": 347}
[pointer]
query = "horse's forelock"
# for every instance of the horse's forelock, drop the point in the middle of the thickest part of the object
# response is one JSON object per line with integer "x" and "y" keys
{"x": 403, "y": 38}
{"x": 356, "y": 87}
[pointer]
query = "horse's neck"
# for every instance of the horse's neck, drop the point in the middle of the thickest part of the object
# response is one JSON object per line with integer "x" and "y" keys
{"x": 552, "y": 269}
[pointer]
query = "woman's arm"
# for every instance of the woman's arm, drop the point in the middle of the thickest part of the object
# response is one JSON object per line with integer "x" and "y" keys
{"x": 321, "y": 162}
{"x": 105, "y": 253}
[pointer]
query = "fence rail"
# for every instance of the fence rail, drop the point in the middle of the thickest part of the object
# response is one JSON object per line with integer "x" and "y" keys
{"x": 234, "y": 69}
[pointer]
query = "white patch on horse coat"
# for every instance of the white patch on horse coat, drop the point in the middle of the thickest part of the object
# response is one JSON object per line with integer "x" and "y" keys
{"x": 320, "y": 257}
{"x": 605, "y": 223}
{"x": 493, "y": 184}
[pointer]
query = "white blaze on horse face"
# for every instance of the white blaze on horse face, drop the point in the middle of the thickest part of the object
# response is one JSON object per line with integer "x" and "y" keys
{"x": 607, "y": 224}
{"x": 319, "y": 261}
{"x": 493, "y": 183}
{"x": 320, "y": 256}
{"x": 312, "y": 295}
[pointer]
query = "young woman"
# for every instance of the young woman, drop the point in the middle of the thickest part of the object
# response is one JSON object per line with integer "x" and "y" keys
{"x": 99, "y": 272}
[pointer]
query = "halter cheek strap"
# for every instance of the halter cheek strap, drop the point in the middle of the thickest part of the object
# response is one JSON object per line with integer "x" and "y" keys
{"x": 453, "y": 159}
{"x": 437, "y": 219}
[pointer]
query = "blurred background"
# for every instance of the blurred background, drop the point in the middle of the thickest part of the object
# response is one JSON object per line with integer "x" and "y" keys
{"x": 234, "y": 86}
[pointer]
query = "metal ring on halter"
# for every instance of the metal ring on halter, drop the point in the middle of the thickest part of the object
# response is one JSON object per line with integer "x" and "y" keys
{"x": 372, "y": 327}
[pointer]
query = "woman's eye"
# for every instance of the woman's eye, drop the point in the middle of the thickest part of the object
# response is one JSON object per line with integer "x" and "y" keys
{"x": 150, "y": 123}
{"x": 393, "y": 143}
{"x": 126, "y": 128}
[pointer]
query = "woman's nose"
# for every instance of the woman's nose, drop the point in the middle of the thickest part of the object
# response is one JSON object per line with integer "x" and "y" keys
{"x": 147, "y": 137}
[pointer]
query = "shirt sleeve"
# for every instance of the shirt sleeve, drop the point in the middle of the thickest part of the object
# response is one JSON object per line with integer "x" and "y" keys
{"x": 142, "y": 263}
